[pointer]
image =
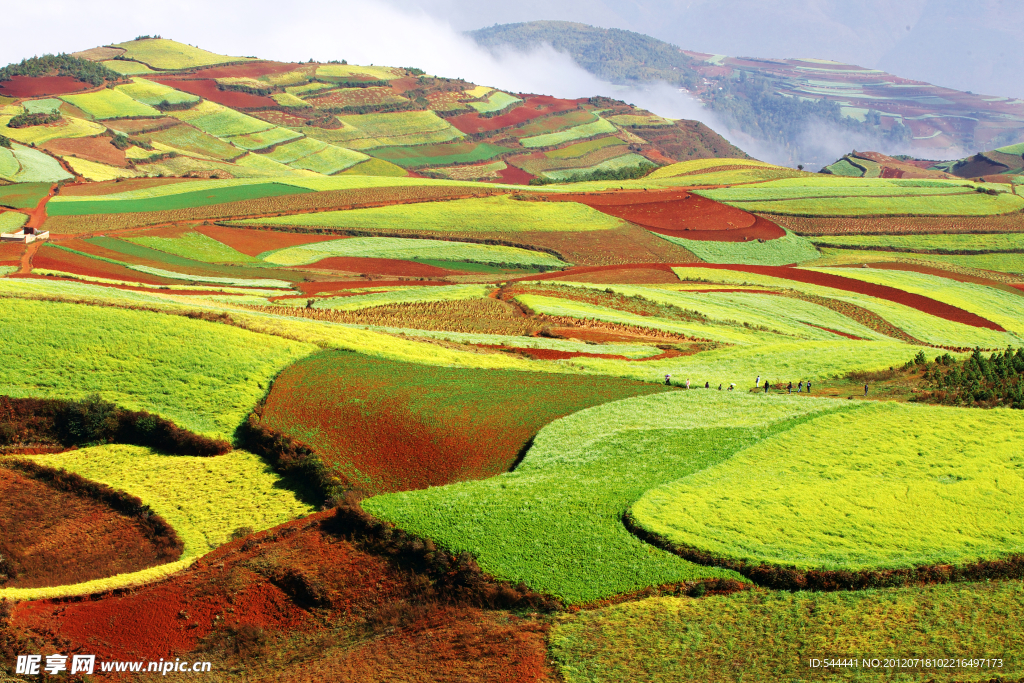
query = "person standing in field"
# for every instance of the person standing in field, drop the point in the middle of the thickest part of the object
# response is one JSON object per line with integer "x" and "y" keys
{"x": 687, "y": 384}
{"x": 808, "y": 387}
{"x": 719, "y": 387}
{"x": 865, "y": 388}
{"x": 668, "y": 380}
{"x": 757, "y": 382}
{"x": 789, "y": 388}
{"x": 800, "y": 386}
{"x": 766, "y": 386}
{"x": 707, "y": 385}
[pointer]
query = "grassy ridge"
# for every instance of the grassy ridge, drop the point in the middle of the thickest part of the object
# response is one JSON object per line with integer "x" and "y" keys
{"x": 488, "y": 214}
{"x": 170, "y": 202}
{"x": 204, "y": 376}
{"x": 778, "y": 252}
{"x": 886, "y": 486}
{"x": 555, "y": 522}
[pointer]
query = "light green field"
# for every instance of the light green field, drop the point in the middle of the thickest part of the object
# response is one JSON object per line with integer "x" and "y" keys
{"x": 927, "y": 328}
{"x": 496, "y": 101}
{"x": 587, "y": 130}
{"x": 43, "y": 106}
{"x": 673, "y": 170}
{"x": 836, "y": 189}
{"x": 152, "y": 93}
{"x": 555, "y": 522}
{"x": 204, "y": 376}
{"x": 91, "y": 170}
{"x": 997, "y": 305}
{"x": 292, "y": 151}
{"x": 613, "y": 164}
{"x": 888, "y": 485}
{"x": 70, "y": 127}
{"x": 999, "y": 262}
{"x": 110, "y": 104}
{"x": 220, "y": 121}
{"x": 196, "y": 246}
{"x": 898, "y": 204}
{"x": 258, "y": 166}
{"x": 203, "y": 499}
{"x": 770, "y": 635}
{"x": 161, "y": 53}
{"x": 487, "y": 214}
{"x": 640, "y": 121}
{"x": 329, "y": 160}
{"x": 126, "y": 67}
{"x": 12, "y": 221}
{"x": 397, "y": 128}
{"x": 581, "y": 149}
{"x": 407, "y": 249}
{"x": 263, "y": 138}
{"x": 952, "y": 242}
{"x": 383, "y": 73}
{"x": 26, "y": 165}
{"x": 783, "y": 251}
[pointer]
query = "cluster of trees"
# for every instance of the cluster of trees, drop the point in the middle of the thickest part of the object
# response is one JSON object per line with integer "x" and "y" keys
{"x": 627, "y": 173}
{"x": 5, "y": 141}
{"x": 83, "y": 70}
{"x": 25, "y": 120}
{"x": 612, "y": 54}
{"x": 994, "y": 381}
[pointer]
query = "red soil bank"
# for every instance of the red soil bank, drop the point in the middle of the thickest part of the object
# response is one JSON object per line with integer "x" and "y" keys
{"x": 207, "y": 89}
{"x": 255, "y": 242}
{"x": 309, "y": 288}
{"x": 534, "y": 107}
{"x": 515, "y": 176}
{"x": 408, "y": 635}
{"x": 93, "y": 149}
{"x": 68, "y": 262}
{"x": 391, "y": 426}
{"x": 921, "y": 303}
{"x": 381, "y": 266}
{"x": 624, "y": 276}
{"x": 36, "y": 86}
{"x": 39, "y": 523}
{"x": 553, "y": 354}
{"x": 679, "y": 214}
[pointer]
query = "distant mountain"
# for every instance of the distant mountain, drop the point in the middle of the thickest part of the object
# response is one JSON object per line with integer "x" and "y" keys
{"x": 793, "y": 106}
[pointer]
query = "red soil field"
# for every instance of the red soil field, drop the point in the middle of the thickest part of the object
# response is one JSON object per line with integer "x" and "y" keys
{"x": 905, "y": 225}
{"x": 381, "y": 266}
{"x": 36, "y": 86}
{"x": 255, "y": 242}
{"x": 84, "y": 189}
{"x": 391, "y": 426}
{"x": 679, "y": 214}
{"x": 921, "y": 303}
{"x": 50, "y": 258}
{"x": 39, "y": 525}
{"x": 94, "y": 149}
{"x": 373, "y": 622}
{"x": 552, "y": 354}
{"x": 136, "y": 126}
{"x": 624, "y": 276}
{"x": 511, "y": 175}
{"x": 248, "y": 70}
{"x": 534, "y": 107}
{"x": 207, "y": 89}
{"x": 11, "y": 251}
{"x": 281, "y": 118}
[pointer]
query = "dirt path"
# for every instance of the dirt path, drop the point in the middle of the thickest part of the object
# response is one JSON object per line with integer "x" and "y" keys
{"x": 37, "y": 216}
{"x": 26, "y": 257}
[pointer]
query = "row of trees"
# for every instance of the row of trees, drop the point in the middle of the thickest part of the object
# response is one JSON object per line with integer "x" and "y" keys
{"x": 997, "y": 380}
{"x": 83, "y": 70}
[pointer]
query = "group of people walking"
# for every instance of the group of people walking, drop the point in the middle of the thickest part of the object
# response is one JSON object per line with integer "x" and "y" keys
{"x": 757, "y": 385}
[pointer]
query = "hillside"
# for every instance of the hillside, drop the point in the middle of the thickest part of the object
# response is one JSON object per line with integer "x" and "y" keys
{"x": 176, "y": 110}
{"x": 1003, "y": 165}
{"x": 776, "y": 100}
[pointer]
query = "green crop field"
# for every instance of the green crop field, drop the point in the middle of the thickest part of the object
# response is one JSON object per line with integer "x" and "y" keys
{"x": 110, "y": 104}
{"x": 69, "y": 127}
{"x": 196, "y": 246}
{"x": 163, "y": 54}
{"x": 555, "y": 123}
{"x": 406, "y": 249}
{"x": 399, "y": 128}
{"x": 587, "y": 130}
{"x": 583, "y": 148}
{"x": 23, "y": 195}
{"x": 44, "y": 106}
{"x": 401, "y": 296}
{"x": 188, "y": 140}
{"x": 1000, "y": 262}
{"x": 204, "y": 376}
{"x": 220, "y": 121}
{"x": 555, "y": 521}
{"x": 613, "y": 164}
{"x": 292, "y": 151}
{"x": 127, "y": 68}
{"x": 778, "y": 252}
{"x": 329, "y": 160}
{"x": 696, "y": 165}
{"x": 415, "y": 156}
{"x": 263, "y": 138}
{"x": 85, "y": 206}
{"x": 770, "y": 635}
{"x": 885, "y": 486}
{"x": 152, "y": 93}
{"x": 203, "y": 499}
{"x": 489, "y": 214}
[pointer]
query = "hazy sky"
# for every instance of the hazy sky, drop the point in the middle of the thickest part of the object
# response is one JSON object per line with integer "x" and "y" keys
{"x": 971, "y": 45}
